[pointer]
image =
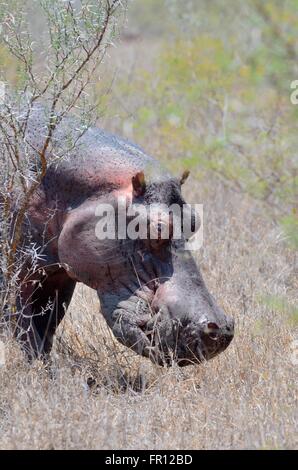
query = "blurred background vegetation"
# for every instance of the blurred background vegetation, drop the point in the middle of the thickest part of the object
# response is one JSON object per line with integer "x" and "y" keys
{"x": 206, "y": 86}
{"x": 216, "y": 95}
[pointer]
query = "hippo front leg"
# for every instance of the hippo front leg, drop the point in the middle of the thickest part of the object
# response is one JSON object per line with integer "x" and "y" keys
{"x": 42, "y": 307}
{"x": 21, "y": 324}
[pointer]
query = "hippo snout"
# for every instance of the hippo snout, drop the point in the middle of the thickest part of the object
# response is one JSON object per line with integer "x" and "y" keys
{"x": 187, "y": 340}
{"x": 215, "y": 338}
{"x": 198, "y": 341}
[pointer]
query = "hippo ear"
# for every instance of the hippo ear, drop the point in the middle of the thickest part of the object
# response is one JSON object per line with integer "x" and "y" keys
{"x": 139, "y": 184}
{"x": 184, "y": 176}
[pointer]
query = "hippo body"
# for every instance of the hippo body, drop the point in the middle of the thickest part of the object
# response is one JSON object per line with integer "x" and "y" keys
{"x": 151, "y": 292}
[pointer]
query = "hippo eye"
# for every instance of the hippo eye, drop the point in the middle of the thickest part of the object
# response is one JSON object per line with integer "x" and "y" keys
{"x": 160, "y": 232}
{"x": 159, "y": 236}
{"x": 158, "y": 243}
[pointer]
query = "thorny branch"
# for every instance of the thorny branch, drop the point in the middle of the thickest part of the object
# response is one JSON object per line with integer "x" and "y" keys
{"x": 78, "y": 36}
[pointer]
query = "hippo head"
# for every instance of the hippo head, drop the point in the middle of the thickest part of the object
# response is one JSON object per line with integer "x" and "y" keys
{"x": 152, "y": 294}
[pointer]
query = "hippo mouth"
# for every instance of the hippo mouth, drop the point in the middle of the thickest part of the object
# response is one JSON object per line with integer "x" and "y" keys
{"x": 166, "y": 340}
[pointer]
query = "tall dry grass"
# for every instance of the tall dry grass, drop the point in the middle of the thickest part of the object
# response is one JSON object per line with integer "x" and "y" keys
{"x": 101, "y": 395}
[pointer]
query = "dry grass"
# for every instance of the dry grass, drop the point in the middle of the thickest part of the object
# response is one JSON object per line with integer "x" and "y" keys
{"x": 245, "y": 398}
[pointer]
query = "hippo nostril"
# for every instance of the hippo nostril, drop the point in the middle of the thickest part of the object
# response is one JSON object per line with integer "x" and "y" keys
{"x": 212, "y": 330}
{"x": 212, "y": 326}
{"x": 213, "y": 336}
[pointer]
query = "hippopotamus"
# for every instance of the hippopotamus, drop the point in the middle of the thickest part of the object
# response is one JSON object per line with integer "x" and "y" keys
{"x": 152, "y": 294}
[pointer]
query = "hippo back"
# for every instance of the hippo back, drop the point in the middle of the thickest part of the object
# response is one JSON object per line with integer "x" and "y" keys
{"x": 86, "y": 162}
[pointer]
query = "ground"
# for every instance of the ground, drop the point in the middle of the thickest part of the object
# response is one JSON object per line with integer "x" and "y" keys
{"x": 244, "y": 398}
